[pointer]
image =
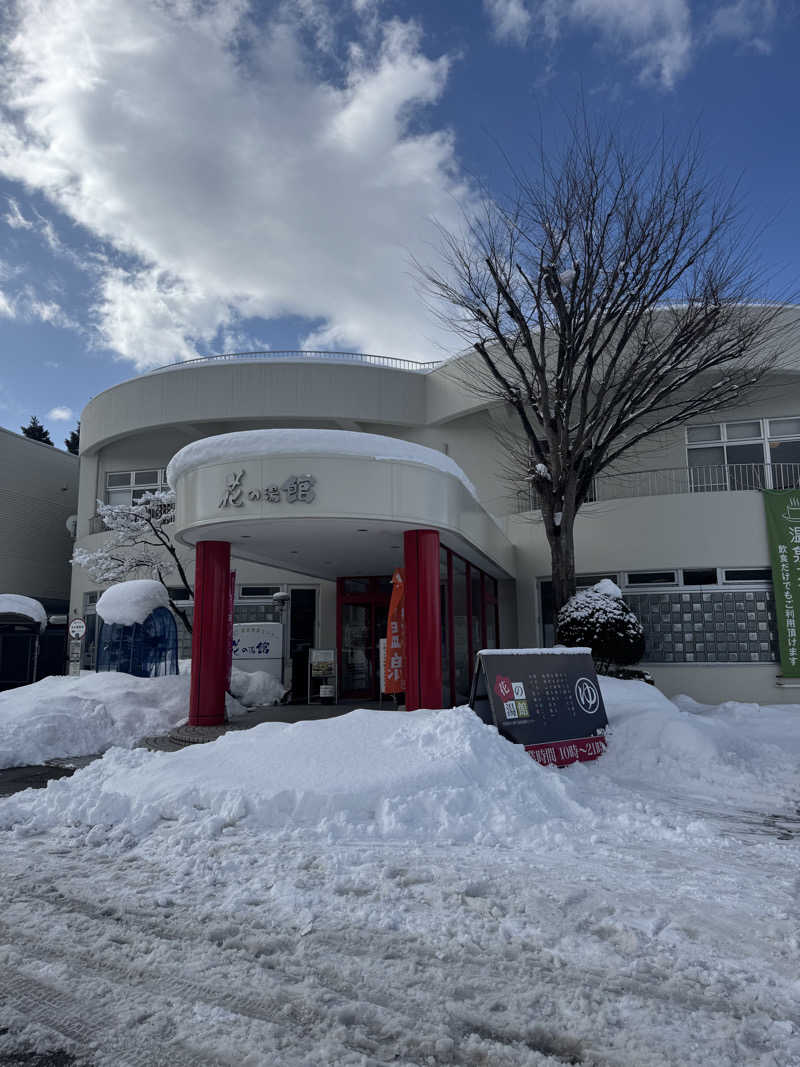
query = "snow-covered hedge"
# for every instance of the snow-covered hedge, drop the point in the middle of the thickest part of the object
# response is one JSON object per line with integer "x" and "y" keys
{"x": 600, "y": 618}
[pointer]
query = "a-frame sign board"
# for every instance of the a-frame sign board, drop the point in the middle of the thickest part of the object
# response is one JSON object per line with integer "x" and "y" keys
{"x": 545, "y": 699}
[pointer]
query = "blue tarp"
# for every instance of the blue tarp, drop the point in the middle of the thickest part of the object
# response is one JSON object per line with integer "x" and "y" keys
{"x": 146, "y": 650}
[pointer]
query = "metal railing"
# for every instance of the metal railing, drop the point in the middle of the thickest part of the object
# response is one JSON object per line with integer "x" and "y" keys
{"x": 300, "y": 355}
{"x": 710, "y": 478}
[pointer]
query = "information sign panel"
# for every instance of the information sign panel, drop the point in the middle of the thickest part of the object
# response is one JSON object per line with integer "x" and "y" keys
{"x": 322, "y": 662}
{"x": 548, "y": 700}
{"x": 77, "y": 628}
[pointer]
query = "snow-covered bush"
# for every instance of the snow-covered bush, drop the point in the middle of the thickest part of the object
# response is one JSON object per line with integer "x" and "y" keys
{"x": 600, "y": 619}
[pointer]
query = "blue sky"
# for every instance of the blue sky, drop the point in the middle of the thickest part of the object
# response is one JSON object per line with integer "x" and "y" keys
{"x": 179, "y": 178}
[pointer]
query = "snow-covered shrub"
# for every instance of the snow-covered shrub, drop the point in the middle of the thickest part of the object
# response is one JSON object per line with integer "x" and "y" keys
{"x": 600, "y": 619}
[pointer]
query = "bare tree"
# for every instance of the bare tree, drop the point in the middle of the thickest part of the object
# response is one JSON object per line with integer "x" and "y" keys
{"x": 140, "y": 541}
{"x": 613, "y": 298}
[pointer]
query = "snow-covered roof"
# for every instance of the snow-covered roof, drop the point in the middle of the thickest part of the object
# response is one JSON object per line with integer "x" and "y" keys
{"x": 255, "y": 444}
{"x": 14, "y": 604}
{"x": 128, "y": 603}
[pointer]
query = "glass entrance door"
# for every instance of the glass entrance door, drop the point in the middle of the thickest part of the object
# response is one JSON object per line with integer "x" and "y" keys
{"x": 363, "y": 612}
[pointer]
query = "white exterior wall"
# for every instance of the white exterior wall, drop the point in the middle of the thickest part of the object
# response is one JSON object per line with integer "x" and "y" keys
{"x": 38, "y": 493}
{"x": 141, "y": 423}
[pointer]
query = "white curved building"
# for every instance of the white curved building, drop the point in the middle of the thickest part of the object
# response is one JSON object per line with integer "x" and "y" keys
{"x": 681, "y": 531}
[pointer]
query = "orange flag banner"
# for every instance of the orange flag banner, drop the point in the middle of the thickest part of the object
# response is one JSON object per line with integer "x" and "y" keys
{"x": 394, "y": 668}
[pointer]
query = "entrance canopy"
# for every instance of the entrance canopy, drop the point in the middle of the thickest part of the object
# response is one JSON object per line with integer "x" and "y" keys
{"x": 329, "y": 502}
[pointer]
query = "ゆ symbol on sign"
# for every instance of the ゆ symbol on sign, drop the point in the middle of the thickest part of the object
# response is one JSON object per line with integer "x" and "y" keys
{"x": 587, "y": 695}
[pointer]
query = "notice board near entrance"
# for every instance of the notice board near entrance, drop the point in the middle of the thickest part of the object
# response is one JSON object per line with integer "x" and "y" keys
{"x": 546, "y": 699}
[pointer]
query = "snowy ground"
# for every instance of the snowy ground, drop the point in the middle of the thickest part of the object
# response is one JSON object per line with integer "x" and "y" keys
{"x": 387, "y": 888}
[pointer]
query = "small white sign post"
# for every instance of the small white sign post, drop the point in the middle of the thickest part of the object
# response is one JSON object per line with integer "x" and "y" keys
{"x": 76, "y": 631}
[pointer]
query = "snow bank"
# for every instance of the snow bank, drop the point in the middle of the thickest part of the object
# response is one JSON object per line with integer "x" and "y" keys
{"x": 80, "y": 716}
{"x": 255, "y": 688}
{"x": 13, "y": 604}
{"x": 128, "y": 603}
{"x": 733, "y": 753}
{"x": 441, "y": 776}
{"x": 253, "y": 444}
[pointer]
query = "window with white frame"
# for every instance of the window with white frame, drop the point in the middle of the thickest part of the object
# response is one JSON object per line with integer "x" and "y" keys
{"x": 126, "y": 487}
{"x": 744, "y": 454}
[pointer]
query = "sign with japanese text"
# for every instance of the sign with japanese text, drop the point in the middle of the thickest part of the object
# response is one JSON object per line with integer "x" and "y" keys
{"x": 394, "y": 671}
{"x": 296, "y": 489}
{"x": 782, "y": 508}
{"x": 547, "y": 700}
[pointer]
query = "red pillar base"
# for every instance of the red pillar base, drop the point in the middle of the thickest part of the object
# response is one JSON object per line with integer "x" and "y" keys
{"x": 423, "y": 620}
{"x": 210, "y": 651}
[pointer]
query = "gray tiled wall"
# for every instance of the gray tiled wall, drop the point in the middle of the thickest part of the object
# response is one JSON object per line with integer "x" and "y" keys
{"x": 717, "y": 627}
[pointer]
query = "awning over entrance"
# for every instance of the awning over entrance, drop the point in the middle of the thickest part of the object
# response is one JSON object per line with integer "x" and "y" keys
{"x": 329, "y": 502}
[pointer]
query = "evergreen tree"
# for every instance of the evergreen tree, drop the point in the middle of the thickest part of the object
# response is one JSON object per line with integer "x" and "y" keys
{"x": 73, "y": 442}
{"x": 36, "y": 431}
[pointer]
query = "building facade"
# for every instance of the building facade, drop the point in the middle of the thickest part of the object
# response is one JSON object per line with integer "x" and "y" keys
{"x": 681, "y": 528}
{"x": 38, "y": 494}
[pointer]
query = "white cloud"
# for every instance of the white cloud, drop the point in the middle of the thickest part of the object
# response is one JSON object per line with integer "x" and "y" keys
{"x": 61, "y": 414}
{"x": 511, "y": 20}
{"x": 236, "y": 181}
{"x": 14, "y": 217}
{"x": 657, "y": 36}
{"x": 7, "y": 310}
{"x": 747, "y": 21}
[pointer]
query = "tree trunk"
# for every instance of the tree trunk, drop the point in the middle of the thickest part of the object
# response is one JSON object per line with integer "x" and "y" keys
{"x": 562, "y": 560}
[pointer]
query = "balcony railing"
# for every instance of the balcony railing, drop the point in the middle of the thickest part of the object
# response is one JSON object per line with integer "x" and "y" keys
{"x": 291, "y": 355}
{"x": 713, "y": 478}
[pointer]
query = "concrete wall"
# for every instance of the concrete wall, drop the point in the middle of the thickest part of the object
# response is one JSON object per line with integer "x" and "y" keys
{"x": 38, "y": 493}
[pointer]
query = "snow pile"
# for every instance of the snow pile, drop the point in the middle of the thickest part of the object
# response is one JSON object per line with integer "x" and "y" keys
{"x": 13, "y": 604}
{"x": 608, "y": 588}
{"x": 255, "y": 444}
{"x": 736, "y": 754}
{"x": 437, "y": 776}
{"x": 255, "y": 688}
{"x": 80, "y": 716}
{"x": 129, "y": 603}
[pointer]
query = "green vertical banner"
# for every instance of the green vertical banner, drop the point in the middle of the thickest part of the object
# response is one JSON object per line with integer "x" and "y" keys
{"x": 782, "y": 508}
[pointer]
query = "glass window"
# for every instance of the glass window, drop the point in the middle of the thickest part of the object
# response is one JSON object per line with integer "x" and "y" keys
{"x": 118, "y": 478}
{"x": 703, "y": 433}
{"x": 476, "y": 612}
{"x": 784, "y": 427}
{"x": 748, "y": 574}
{"x": 704, "y": 456}
{"x": 653, "y": 578}
{"x": 785, "y": 459}
{"x": 739, "y": 431}
{"x": 444, "y": 603}
{"x": 146, "y": 477}
{"x": 118, "y": 496}
{"x": 700, "y": 576}
{"x": 259, "y": 590}
{"x": 460, "y": 631}
{"x": 356, "y": 585}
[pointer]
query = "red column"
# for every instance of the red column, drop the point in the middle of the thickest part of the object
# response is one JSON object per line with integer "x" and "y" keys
{"x": 210, "y": 652}
{"x": 423, "y": 620}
